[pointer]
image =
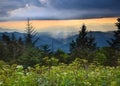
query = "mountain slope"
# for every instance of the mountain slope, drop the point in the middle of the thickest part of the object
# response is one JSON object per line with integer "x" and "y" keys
{"x": 63, "y": 43}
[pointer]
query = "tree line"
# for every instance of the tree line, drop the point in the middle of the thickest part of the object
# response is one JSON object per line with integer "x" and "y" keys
{"x": 23, "y": 50}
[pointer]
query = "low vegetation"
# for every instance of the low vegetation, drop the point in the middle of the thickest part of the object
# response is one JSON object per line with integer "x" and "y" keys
{"x": 78, "y": 73}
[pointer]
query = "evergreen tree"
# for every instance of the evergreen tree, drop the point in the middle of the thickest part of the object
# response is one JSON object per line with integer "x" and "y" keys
{"x": 30, "y": 52}
{"x": 46, "y": 51}
{"x": 91, "y": 42}
{"x": 83, "y": 41}
{"x": 115, "y": 42}
{"x": 31, "y": 35}
{"x": 83, "y": 45}
{"x": 114, "y": 46}
{"x": 72, "y": 45}
{"x": 30, "y": 57}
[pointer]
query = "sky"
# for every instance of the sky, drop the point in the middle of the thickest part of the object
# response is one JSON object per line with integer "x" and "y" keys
{"x": 58, "y": 9}
{"x": 52, "y": 15}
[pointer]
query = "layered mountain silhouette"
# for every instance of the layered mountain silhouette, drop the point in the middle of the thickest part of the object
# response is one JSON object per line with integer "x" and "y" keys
{"x": 61, "y": 42}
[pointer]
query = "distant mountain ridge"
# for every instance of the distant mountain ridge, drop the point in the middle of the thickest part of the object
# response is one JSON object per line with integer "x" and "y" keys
{"x": 59, "y": 42}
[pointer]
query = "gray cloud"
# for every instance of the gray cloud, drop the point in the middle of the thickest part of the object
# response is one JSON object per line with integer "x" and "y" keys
{"x": 86, "y": 4}
{"x": 7, "y": 30}
{"x": 58, "y": 9}
{"x": 100, "y": 8}
{"x": 9, "y": 5}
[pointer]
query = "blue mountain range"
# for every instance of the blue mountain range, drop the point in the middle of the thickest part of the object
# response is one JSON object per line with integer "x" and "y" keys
{"x": 63, "y": 42}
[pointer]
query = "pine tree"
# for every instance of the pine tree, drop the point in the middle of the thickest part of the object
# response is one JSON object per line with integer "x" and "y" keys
{"x": 72, "y": 45}
{"x": 46, "y": 51}
{"x": 31, "y": 35}
{"x": 83, "y": 41}
{"x": 115, "y": 42}
{"x": 83, "y": 46}
{"x": 113, "y": 54}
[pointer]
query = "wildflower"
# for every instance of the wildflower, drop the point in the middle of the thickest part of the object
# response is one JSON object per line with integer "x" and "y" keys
{"x": 65, "y": 73}
{"x": 19, "y": 67}
{"x": 1, "y": 83}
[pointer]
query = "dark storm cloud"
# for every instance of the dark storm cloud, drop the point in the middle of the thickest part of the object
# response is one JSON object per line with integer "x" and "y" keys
{"x": 60, "y": 9}
{"x": 95, "y": 8}
{"x": 86, "y": 4}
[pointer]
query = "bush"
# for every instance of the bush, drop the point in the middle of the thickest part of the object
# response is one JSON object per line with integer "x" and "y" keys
{"x": 63, "y": 75}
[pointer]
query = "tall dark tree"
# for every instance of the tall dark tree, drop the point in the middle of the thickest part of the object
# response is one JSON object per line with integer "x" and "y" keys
{"x": 83, "y": 41}
{"x": 115, "y": 42}
{"x": 114, "y": 46}
{"x": 31, "y": 35}
{"x": 30, "y": 53}
{"x": 83, "y": 45}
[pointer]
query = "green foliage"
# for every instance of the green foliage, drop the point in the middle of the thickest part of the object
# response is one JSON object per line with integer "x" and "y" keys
{"x": 83, "y": 41}
{"x": 112, "y": 56}
{"x": 74, "y": 74}
{"x": 83, "y": 46}
{"x": 50, "y": 61}
{"x": 13, "y": 51}
{"x": 100, "y": 58}
{"x": 30, "y": 57}
{"x": 10, "y": 48}
{"x": 61, "y": 56}
{"x": 46, "y": 51}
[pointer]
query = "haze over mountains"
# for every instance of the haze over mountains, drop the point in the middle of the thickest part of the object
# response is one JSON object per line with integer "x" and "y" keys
{"x": 57, "y": 16}
{"x": 62, "y": 40}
